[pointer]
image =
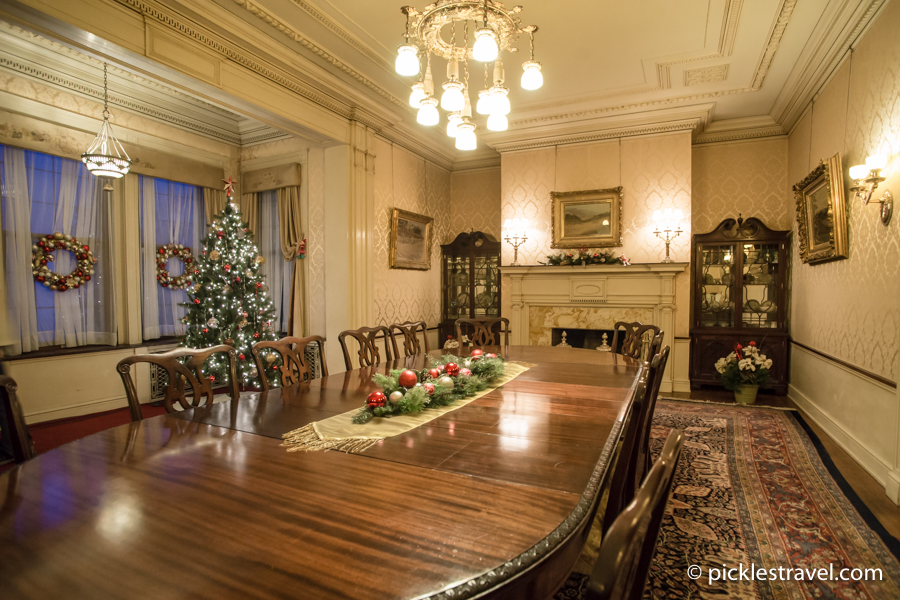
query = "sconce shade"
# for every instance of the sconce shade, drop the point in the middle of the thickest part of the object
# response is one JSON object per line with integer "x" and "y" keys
{"x": 876, "y": 162}
{"x": 858, "y": 172}
{"x": 531, "y": 77}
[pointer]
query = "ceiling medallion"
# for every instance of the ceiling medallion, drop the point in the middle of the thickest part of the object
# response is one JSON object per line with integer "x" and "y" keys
{"x": 106, "y": 157}
{"x": 495, "y": 29}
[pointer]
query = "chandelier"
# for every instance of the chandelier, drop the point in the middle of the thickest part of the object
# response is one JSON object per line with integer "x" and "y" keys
{"x": 496, "y": 29}
{"x": 104, "y": 158}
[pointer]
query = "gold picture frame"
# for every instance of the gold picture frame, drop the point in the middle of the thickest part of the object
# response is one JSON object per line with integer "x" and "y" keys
{"x": 822, "y": 213}
{"x": 587, "y": 219}
{"x": 410, "y": 240}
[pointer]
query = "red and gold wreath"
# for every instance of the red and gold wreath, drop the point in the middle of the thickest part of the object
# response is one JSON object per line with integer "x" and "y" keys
{"x": 163, "y": 254}
{"x": 42, "y": 255}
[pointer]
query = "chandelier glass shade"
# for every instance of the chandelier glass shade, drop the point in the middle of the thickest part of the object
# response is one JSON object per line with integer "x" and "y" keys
{"x": 106, "y": 157}
{"x": 428, "y": 113}
{"x": 495, "y": 29}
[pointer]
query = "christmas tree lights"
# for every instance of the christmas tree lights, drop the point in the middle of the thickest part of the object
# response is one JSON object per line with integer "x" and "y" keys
{"x": 228, "y": 299}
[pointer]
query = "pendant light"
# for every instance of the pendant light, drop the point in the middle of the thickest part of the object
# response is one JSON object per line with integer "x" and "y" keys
{"x": 407, "y": 62}
{"x": 531, "y": 77}
{"x": 104, "y": 157}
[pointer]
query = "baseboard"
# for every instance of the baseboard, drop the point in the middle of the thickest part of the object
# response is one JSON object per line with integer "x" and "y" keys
{"x": 681, "y": 385}
{"x": 76, "y": 410}
{"x": 857, "y": 450}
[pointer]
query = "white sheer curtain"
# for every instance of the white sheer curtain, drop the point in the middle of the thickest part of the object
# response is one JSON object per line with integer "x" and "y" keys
{"x": 170, "y": 213}
{"x": 17, "y": 230}
{"x": 277, "y": 270}
{"x": 88, "y": 316}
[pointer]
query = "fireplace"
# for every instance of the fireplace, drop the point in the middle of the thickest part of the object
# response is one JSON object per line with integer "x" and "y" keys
{"x": 583, "y": 338}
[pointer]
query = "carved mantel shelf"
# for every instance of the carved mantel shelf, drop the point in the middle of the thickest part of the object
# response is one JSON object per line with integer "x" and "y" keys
{"x": 648, "y": 288}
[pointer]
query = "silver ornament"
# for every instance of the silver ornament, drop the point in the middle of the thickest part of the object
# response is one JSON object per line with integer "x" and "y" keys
{"x": 214, "y": 322}
{"x": 226, "y": 289}
{"x": 445, "y": 382}
{"x": 396, "y": 397}
{"x": 240, "y": 234}
{"x": 270, "y": 358}
{"x": 254, "y": 373}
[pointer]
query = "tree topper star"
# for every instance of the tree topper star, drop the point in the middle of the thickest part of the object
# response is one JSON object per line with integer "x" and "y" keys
{"x": 229, "y": 186}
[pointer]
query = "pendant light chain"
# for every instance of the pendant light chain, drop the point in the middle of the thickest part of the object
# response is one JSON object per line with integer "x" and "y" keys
{"x": 105, "y": 94}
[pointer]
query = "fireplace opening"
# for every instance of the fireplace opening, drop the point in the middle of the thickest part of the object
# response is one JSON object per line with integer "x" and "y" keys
{"x": 584, "y": 338}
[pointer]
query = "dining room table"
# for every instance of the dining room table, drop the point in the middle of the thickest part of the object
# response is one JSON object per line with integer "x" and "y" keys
{"x": 492, "y": 500}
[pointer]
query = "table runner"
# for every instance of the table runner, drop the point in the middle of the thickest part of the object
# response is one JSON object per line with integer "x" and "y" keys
{"x": 340, "y": 433}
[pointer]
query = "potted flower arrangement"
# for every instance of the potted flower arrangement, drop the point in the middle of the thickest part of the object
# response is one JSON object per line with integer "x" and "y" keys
{"x": 744, "y": 371}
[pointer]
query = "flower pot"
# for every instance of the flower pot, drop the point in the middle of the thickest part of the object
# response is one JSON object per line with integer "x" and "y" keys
{"x": 745, "y": 394}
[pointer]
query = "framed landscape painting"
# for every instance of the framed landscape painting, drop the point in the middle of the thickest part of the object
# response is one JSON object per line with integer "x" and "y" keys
{"x": 588, "y": 219}
{"x": 822, "y": 213}
{"x": 410, "y": 240}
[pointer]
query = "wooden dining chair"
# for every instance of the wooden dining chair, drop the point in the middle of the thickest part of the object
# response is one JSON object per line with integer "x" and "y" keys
{"x": 16, "y": 431}
{"x": 655, "y": 345}
{"x": 368, "y": 352}
{"x": 632, "y": 337}
{"x": 641, "y": 464}
{"x": 483, "y": 332}
{"x": 623, "y": 561}
{"x": 295, "y": 366}
{"x": 412, "y": 345}
{"x": 189, "y": 371}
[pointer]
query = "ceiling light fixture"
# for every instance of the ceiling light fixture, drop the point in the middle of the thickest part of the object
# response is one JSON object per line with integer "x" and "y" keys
{"x": 104, "y": 157}
{"x": 498, "y": 30}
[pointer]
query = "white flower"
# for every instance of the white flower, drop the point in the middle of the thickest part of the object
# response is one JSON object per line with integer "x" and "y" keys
{"x": 746, "y": 365}
{"x": 762, "y": 356}
{"x": 768, "y": 364}
{"x": 720, "y": 365}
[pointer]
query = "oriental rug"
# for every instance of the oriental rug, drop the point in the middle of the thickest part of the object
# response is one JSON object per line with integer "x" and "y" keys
{"x": 755, "y": 514}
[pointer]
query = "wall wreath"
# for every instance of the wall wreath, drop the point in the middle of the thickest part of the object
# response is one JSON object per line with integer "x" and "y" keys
{"x": 163, "y": 254}
{"x": 42, "y": 254}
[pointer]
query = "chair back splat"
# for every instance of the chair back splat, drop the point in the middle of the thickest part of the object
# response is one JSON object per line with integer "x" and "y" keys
{"x": 189, "y": 371}
{"x": 368, "y": 353}
{"x": 623, "y": 561}
{"x": 17, "y": 434}
{"x": 632, "y": 336}
{"x": 412, "y": 344}
{"x": 483, "y": 332}
{"x": 294, "y": 366}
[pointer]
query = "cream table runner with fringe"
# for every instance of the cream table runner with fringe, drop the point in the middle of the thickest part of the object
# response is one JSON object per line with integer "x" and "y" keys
{"x": 340, "y": 433}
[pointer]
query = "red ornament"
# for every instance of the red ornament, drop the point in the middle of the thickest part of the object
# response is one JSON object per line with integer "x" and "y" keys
{"x": 196, "y": 300}
{"x": 408, "y": 378}
{"x": 451, "y": 369}
{"x": 41, "y": 243}
{"x": 220, "y": 233}
{"x": 86, "y": 248}
{"x": 376, "y": 400}
{"x": 44, "y": 262}
{"x": 205, "y": 330}
{"x": 211, "y": 377}
{"x": 258, "y": 285}
{"x": 87, "y": 277}
{"x": 752, "y": 343}
{"x": 237, "y": 280}
{"x": 40, "y": 280}
{"x": 434, "y": 373}
{"x": 62, "y": 288}
{"x": 162, "y": 250}
{"x": 476, "y": 352}
{"x": 241, "y": 356}
{"x": 490, "y": 355}
{"x": 256, "y": 335}
{"x": 429, "y": 387}
{"x": 244, "y": 314}
{"x": 227, "y": 267}
{"x": 465, "y": 372}
{"x": 164, "y": 284}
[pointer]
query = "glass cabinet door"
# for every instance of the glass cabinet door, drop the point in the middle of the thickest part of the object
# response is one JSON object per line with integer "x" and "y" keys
{"x": 456, "y": 293}
{"x": 760, "y": 280}
{"x": 716, "y": 284}
{"x": 487, "y": 286}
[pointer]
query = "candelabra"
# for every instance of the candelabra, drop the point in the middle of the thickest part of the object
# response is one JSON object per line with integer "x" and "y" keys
{"x": 668, "y": 227}
{"x": 516, "y": 236}
{"x": 866, "y": 178}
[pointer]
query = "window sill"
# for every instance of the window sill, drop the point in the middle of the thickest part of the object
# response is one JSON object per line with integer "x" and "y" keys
{"x": 57, "y": 351}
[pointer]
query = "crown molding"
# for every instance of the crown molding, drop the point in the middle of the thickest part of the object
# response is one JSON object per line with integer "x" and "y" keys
{"x": 834, "y": 37}
{"x": 593, "y": 136}
{"x": 745, "y": 128}
{"x": 473, "y": 165}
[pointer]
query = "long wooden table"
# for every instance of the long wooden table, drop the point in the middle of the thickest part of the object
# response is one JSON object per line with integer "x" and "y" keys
{"x": 491, "y": 500}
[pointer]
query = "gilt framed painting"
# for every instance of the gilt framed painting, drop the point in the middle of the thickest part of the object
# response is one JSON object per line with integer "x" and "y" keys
{"x": 822, "y": 213}
{"x": 587, "y": 219}
{"x": 410, "y": 240}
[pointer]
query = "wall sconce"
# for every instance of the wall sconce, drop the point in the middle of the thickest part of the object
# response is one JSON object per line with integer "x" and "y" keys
{"x": 668, "y": 227}
{"x": 516, "y": 234}
{"x": 866, "y": 178}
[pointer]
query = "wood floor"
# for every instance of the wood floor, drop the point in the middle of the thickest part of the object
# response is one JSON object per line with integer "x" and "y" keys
{"x": 869, "y": 491}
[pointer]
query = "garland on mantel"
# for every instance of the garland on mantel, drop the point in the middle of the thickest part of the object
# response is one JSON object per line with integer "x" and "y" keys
{"x": 585, "y": 257}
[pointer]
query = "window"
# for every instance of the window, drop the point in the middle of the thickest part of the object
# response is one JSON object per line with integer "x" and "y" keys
{"x": 171, "y": 213}
{"x": 278, "y": 271}
{"x": 43, "y": 194}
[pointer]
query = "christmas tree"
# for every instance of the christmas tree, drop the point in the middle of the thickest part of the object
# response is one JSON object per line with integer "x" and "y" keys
{"x": 228, "y": 298}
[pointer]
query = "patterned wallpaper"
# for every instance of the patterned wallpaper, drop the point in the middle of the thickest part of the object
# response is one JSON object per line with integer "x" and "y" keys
{"x": 741, "y": 177}
{"x": 654, "y": 171}
{"x": 475, "y": 202}
{"x": 315, "y": 240}
{"x": 849, "y": 308}
{"x": 404, "y": 180}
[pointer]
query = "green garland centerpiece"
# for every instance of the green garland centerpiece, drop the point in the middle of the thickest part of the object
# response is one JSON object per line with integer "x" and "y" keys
{"x": 450, "y": 378}
{"x": 585, "y": 256}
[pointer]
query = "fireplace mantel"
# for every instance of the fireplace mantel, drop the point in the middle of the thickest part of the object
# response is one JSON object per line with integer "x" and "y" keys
{"x": 647, "y": 289}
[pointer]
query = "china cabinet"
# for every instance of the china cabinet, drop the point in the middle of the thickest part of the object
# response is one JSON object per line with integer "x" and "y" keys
{"x": 739, "y": 294}
{"x": 470, "y": 280}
